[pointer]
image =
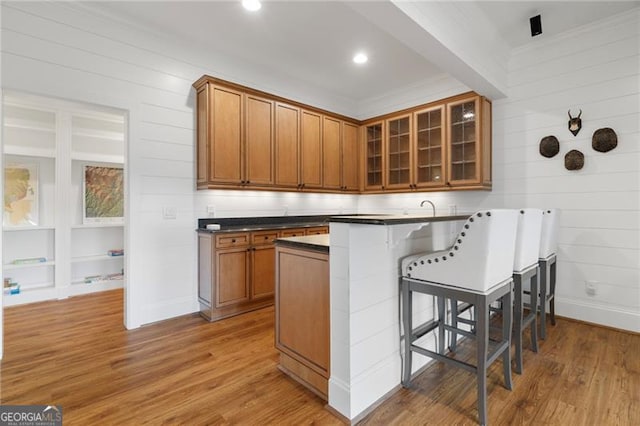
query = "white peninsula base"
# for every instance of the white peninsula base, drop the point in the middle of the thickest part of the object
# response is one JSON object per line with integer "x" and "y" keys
{"x": 364, "y": 302}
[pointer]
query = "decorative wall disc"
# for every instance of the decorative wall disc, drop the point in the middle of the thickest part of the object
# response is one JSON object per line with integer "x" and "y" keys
{"x": 549, "y": 146}
{"x": 604, "y": 140}
{"x": 574, "y": 160}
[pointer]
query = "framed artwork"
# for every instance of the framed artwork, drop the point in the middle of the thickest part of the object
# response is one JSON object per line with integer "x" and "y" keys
{"x": 20, "y": 195}
{"x": 103, "y": 198}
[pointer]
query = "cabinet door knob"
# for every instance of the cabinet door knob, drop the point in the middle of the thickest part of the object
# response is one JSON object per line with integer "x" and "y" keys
{"x": 233, "y": 240}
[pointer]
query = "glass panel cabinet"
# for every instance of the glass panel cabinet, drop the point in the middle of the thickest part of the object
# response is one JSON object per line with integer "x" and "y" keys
{"x": 374, "y": 160}
{"x": 440, "y": 146}
{"x": 399, "y": 152}
{"x": 430, "y": 149}
{"x": 463, "y": 141}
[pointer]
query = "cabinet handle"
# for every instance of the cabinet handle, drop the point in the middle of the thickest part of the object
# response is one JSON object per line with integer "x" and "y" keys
{"x": 266, "y": 238}
{"x": 248, "y": 182}
{"x": 233, "y": 240}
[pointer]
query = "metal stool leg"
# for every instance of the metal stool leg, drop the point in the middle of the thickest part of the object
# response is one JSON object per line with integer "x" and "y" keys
{"x": 534, "y": 310}
{"x": 517, "y": 319}
{"x": 552, "y": 291}
{"x": 507, "y": 320}
{"x": 544, "y": 280}
{"x": 454, "y": 324}
{"x": 482, "y": 335}
{"x": 442, "y": 316}
{"x": 407, "y": 314}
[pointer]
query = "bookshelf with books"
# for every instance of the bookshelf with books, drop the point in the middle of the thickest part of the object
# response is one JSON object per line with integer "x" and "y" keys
{"x": 51, "y": 241}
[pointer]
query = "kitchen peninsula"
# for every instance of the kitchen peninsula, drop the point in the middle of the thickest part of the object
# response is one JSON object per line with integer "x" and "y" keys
{"x": 365, "y": 253}
{"x": 337, "y": 295}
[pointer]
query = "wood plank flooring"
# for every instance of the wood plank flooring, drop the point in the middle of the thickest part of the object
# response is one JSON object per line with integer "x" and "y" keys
{"x": 76, "y": 353}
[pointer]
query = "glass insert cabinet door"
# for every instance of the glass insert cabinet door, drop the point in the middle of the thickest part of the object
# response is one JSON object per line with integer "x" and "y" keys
{"x": 399, "y": 152}
{"x": 374, "y": 166}
{"x": 464, "y": 141}
{"x": 430, "y": 151}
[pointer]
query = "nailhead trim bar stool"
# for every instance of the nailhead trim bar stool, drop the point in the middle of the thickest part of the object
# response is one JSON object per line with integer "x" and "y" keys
{"x": 525, "y": 270}
{"x": 476, "y": 270}
{"x": 547, "y": 263}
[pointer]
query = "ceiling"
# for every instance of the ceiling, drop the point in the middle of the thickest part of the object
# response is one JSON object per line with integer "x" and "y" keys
{"x": 314, "y": 41}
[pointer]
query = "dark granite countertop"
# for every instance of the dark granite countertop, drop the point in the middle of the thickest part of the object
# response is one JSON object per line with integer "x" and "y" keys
{"x": 393, "y": 219}
{"x": 310, "y": 242}
{"x": 244, "y": 224}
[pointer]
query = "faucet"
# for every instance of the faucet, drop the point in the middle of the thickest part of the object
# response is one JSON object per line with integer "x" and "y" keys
{"x": 432, "y": 206}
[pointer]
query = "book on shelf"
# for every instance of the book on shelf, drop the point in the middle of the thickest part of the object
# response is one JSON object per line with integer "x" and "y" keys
{"x": 107, "y": 277}
{"x": 28, "y": 260}
{"x": 11, "y": 287}
{"x": 116, "y": 252}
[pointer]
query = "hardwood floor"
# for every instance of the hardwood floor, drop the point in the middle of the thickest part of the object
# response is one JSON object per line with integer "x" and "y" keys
{"x": 76, "y": 353}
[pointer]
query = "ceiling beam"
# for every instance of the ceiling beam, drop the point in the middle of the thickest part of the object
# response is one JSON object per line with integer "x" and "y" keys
{"x": 451, "y": 35}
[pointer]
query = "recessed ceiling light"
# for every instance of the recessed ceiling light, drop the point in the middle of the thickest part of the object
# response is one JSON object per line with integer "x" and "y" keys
{"x": 251, "y": 5}
{"x": 360, "y": 58}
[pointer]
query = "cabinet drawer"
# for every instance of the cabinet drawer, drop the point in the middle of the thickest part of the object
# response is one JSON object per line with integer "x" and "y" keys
{"x": 317, "y": 230}
{"x": 293, "y": 232}
{"x": 266, "y": 237}
{"x": 232, "y": 240}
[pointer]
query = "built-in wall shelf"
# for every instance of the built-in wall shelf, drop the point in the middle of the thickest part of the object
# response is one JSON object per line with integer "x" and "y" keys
{"x": 100, "y": 158}
{"x": 55, "y": 141}
{"x": 28, "y": 151}
{"x": 10, "y": 266}
{"x": 27, "y": 228}
{"x": 97, "y": 225}
{"x": 94, "y": 258}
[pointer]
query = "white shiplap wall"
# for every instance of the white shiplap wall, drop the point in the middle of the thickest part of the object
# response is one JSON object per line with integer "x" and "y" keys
{"x": 70, "y": 51}
{"x": 595, "y": 68}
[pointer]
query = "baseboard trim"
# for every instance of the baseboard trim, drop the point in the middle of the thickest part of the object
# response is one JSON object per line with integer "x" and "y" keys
{"x": 615, "y": 318}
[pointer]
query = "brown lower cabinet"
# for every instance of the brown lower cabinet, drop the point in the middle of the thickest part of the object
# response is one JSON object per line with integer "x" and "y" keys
{"x": 236, "y": 271}
{"x": 302, "y": 316}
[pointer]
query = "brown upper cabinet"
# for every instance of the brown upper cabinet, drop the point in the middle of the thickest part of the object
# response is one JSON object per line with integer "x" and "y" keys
{"x": 374, "y": 165}
{"x": 349, "y": 156}
{"x": 252, "y": 139}
{"x": 287, "y": 145}
{"x": 331, "y": 154}
{"x": 469, "y": 147}
{"x": 430, "y": 148}
{"x": 220, "y": 135}
{"x": 235, "y": 138}
{"x": 311, "y": 151}
{"x": 259, "y": 137}
{"x": 440, "y": 146}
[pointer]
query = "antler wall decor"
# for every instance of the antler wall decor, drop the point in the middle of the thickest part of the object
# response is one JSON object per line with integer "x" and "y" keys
{"x": 575, "y": 123}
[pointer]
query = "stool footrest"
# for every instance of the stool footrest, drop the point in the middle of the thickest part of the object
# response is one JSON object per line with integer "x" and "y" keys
{"x": 466, "y": 321}
{"x": 457, "y": 330}
{"x": 423, "y": 329}
{"x": 463, "y": 307}
{"x": 504, "y": 346}
{"x": 456, "y": 362}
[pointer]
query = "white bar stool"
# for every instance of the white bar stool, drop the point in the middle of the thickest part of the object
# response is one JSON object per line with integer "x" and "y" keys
{"x": 477, "y": 270}
{"x": 525, "y": 271}
{"x": 547, "y": 264}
